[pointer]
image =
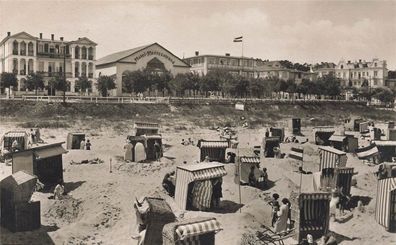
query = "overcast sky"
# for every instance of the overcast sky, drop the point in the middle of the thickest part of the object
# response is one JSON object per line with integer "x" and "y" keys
{"x": 300, "y": 31}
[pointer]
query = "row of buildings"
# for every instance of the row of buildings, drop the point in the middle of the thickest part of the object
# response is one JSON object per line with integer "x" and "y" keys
{"x": 24, "y": 54}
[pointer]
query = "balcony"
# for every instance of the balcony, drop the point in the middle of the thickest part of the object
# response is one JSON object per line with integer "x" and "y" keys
{"x": 90, "y": 57}
{"x": 30, "y": 72}
{"x": 90, "y": 75}
{"x": 76, "y": 74}
{"x": 83, "y": 74}
{"x": 15, "y": 52}
{"x": 15, "y": 71}
{"x": 52, "y": 74}
{"x": 23, "y": 52}
{"x": 22, "y": 72}
{"x": 31, "y": 53}
{"x": 52, "y": 55}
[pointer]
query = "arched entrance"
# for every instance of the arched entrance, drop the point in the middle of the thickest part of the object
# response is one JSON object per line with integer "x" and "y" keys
{"x": 155, "y": 66}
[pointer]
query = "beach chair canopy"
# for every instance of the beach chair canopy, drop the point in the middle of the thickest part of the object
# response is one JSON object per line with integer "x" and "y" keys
{"x": 331, "y": 158}
{"x": 43, "y": 161}
{"x": 188, "y": 229}
{"x": 20, "y": 184}
{"x": 215, "y": 150}
{"x": 311, "y": 212}
{"x": 146, "y": 128}
{"x": 185, "y": 174}
{"x": 386, "y": 201}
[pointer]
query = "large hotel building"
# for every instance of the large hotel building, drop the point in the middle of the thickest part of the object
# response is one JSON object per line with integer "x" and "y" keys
{"x": 24, "y": 54}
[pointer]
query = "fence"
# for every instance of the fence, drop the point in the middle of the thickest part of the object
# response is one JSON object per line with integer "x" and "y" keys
{"x": 176, "y": 100}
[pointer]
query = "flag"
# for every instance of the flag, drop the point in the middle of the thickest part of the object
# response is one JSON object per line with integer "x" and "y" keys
{"x": 296, "y": 153}
{"x": 367, "y": 152}
{"x": 238, "y": 39}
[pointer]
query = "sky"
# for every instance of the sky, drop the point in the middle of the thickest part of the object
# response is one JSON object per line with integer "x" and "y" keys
{"x": 301, "y": 31}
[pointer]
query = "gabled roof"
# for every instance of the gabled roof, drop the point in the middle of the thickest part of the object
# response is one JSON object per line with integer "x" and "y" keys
{"x": 15, "y": 35}
{"x": 115, "y": 57}
{"x": 82, "y": 40}
{"x": 112, "y": 58}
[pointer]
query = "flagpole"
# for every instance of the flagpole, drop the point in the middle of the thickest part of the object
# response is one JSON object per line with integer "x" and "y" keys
{"x": 302, "y": 168}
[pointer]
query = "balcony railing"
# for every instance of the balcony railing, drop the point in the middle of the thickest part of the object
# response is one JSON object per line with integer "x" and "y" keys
{"x": 23, "y": 52}
{"x": 52, "y": 55}
{"x": 15, "y": 52}
{"x": 22, "y": 72}
{"x": 31, "y": 53}
{"x": 90, "y": 57}
{"x": 15, "y": 71}
{"x": 30, "y": 72}
{"x": 83, "y": 74}
{"x": 52, "y": 74}
{"x": 84, "y": 56}
{"x": 90, "y": 75}
{"x": 76, "y": 74}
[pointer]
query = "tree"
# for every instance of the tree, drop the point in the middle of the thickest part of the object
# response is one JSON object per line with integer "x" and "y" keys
{"x": 329, "y": 85}
{"x": 384, "y": 95}
{"x": 211, "y": 81}
{"x": 61, "y": 84}
{"x": 8, "y": 79}
{"x": 83, "y": 83}
{"x": 35, "y": 81}
{"x": 257, "y": 87}
{"x": 179, "y": 84}
{"x": 104, "y": 84}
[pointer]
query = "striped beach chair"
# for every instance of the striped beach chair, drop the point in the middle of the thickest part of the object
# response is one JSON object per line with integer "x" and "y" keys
{"x": 385, "y": 208}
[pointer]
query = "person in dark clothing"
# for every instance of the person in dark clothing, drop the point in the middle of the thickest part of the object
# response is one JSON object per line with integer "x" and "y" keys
{"x": 275, "y": 207}
{"x": 88, "y": 145}
{"x": 252, "y": 177}
{"x": 168, "y": 184}
{"x": 267, "y": 133}
{"x": 217, "y": 192}
{"x": 157, "y": 149}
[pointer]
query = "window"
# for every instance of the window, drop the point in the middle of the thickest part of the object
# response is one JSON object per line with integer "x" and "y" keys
{"x": 41, "y": 66}
{"x": 375, "y": 64}
{"x": 46, "y": 48}
{"x": 375, "y": 73}
{"x": 342, "y": 66}
{"x": 40, "y": 48}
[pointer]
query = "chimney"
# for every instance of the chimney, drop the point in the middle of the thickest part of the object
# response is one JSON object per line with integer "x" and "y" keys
{"x": 52, "y": 37}
{"x": 227, "y": 54}
{"x": 360, "y": 60}
{"x": 61, "y": 38}
{"x": 8, "y": 34}
{"x": 41, "y": 35}
{"x": 349, "y": 62}
{"x": 196, "y": 53}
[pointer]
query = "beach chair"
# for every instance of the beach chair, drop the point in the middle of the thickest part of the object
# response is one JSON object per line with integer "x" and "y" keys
{"x": 268, "y": 236}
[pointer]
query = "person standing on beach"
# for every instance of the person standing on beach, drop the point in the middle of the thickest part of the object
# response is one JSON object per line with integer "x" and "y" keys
{"x": 82, "y": 144}
{"x": 275, "y": 207}
{"x": 88, "y": 145}
{"x": 128, "y": 151}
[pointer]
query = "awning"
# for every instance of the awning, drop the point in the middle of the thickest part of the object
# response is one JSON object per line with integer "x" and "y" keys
{"x": 314, "y": 196}
{"x": 324, "y": 129}
{"x": 367, "y": 152}
{"x": 146, "y": 125}
{"x": 49, "y": 151}
{"x": 196, "y": 229}
{"x": 210, "y": 173}
{"x": 345, "y": 170}
{"x": 251, "y": 160}
{"x": 213, "y": 144}
{"x": 332, "y": 150}
{"x": 158, "y": 137}
{"x": 338, "y": 138}
{"x": 385, "y": 143}
{"x": 15, "y": 134}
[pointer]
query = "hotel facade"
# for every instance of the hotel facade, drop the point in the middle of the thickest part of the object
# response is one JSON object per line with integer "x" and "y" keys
{"x": 24, "y": 54}
{"x": 375, "y": 72}
{"x": 202, "y": 64}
